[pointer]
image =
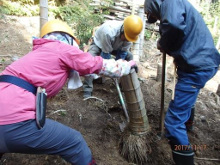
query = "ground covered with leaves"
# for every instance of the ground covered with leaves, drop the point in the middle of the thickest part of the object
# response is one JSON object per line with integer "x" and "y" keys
{"x": 99, "y": 119}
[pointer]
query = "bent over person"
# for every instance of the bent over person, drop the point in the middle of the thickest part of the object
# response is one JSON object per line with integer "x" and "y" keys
{"x": 184, "y": 36}
{"x": 48, "y": 66}
{"x": 113, "y": 38}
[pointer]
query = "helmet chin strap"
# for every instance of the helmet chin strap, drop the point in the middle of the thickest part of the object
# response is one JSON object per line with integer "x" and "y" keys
{"x": 122, "y": 30}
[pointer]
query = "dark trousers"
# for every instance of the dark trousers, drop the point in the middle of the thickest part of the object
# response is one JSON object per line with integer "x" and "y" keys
{"x": 53, "y": 139}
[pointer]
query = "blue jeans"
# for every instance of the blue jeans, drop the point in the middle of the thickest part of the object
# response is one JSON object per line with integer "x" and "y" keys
{"x": 53, "y": 139}
{"x": 179, "y": 110}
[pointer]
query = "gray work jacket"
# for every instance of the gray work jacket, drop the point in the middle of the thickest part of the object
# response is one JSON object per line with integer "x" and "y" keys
{"x": 107, "y": 37}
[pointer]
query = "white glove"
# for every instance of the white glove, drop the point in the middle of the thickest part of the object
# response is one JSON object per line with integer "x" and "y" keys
{"x": 115, "y": 69}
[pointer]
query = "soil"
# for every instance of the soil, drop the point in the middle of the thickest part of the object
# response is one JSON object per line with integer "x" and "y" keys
{"x": 98, "y": 119}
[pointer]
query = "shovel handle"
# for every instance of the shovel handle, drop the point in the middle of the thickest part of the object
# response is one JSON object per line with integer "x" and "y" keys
{"x": 162, "y": 94}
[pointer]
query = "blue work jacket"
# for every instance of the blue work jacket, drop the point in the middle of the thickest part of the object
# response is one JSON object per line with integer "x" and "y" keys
{"x": 184, "y": 35}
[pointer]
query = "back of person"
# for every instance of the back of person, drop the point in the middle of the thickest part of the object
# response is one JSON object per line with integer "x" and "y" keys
{"x": 40, "y": 67}
{"x": 198, "y": 50}
{"x": 184, "y": 34}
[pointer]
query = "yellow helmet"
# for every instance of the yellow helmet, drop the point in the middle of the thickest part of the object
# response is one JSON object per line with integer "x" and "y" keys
{"x": 57, "y": 26}
{"x": 132, "y": 27}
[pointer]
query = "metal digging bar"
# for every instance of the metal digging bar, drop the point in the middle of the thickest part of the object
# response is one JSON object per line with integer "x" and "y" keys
{"x": 134, "y": 145}
{"x": 121, "y": 99}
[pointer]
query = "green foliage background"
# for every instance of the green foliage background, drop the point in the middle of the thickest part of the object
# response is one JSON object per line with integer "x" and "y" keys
{"x": 83, "y": 18}
{"x": 77, "y": 13}
{"x": 211, "y": 15}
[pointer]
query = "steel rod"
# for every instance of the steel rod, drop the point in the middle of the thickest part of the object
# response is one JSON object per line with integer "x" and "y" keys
{"x": 121, "y": 99}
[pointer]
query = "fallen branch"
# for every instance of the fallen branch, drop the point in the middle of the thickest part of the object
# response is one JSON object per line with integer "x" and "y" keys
{"x": 208, "y": 159}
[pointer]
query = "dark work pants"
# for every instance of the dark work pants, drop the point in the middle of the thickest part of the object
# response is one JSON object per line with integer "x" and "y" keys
{"x": 53, "y": 139}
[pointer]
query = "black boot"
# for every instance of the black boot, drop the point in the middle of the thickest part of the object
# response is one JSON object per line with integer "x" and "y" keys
{"x": 183, "y": 157}
{"x": 190, "y": 122}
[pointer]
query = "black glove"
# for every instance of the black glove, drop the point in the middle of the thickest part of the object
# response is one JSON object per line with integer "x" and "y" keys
{"x": 135, "y": 67}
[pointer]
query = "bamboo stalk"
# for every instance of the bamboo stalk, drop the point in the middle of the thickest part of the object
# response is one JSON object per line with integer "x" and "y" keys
{"x": 135, "y": 103}
{"x": 43, "y": 12}
{"x": 141, "y": 36}
{"x": 133, "y": 7}
{"x": 134, "y": 144}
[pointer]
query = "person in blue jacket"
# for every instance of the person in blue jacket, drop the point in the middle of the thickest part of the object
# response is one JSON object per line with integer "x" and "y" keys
{"x": 184, "y": 36}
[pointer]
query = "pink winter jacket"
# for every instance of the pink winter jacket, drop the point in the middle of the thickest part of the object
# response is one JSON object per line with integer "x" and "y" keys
{"x": 47, "y": 65}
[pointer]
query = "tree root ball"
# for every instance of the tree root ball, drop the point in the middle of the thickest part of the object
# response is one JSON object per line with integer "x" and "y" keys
{"x": 134, "y": 148}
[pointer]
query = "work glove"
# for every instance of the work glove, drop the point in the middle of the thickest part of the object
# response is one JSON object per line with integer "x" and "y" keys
{"x": 105, "y": 55}
{"x": 116, "y": 69}
{"x": 121, "y": 55}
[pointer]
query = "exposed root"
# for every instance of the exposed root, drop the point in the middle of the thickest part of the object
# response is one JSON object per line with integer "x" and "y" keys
{"x": 99, "y": 103}
{"x": 134, "y": 148}
{"x": 92, "y": 97}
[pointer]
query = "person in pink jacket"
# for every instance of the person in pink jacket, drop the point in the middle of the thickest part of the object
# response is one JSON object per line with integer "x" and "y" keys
{"x": 48, "y": 65}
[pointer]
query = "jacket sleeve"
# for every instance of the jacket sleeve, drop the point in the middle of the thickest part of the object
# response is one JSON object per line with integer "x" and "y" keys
{"x": 172, "y": 25}
{"x": 84, "y": 63}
